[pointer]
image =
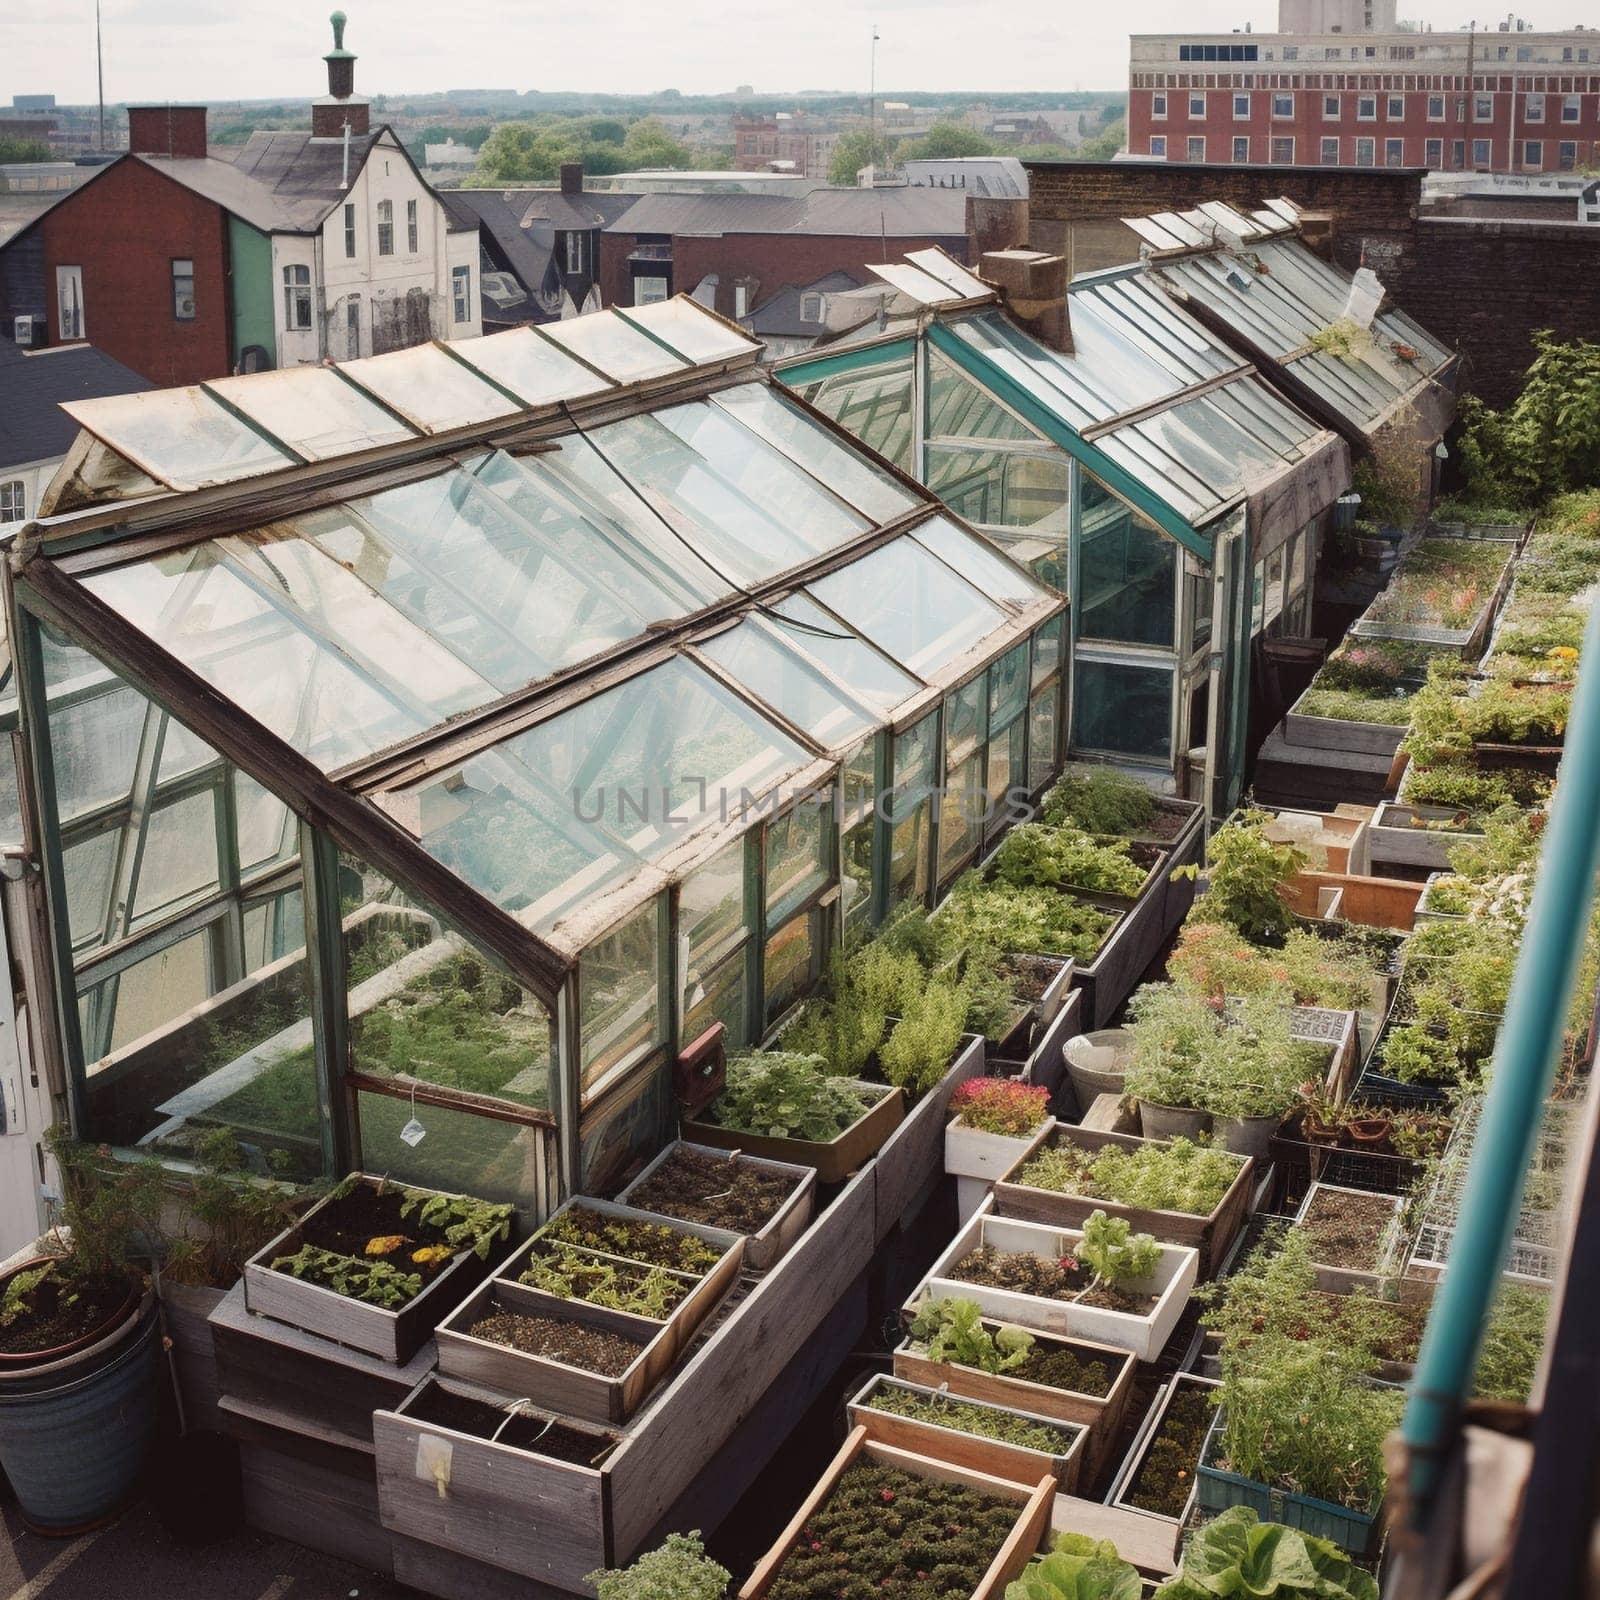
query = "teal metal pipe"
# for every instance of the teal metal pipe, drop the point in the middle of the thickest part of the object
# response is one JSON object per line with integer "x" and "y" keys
{"x": 1525, "y": 1061}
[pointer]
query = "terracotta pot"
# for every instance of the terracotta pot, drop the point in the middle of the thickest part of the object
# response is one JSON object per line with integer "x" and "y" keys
{"x": 1317, "y": 1132}
{"x": 1368, "y": 1131}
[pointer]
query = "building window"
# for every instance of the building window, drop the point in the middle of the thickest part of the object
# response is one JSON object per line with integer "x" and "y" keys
{"x": 1291, "y": 52}
{"x": 1283, "y": 152}
{"x": 1197, "y": 105}
{"x": 183, "y": 290}
{"x": 1435, "y": 154}
{"x": 386, "y": 227}
{"x": 1367, "y": 108}
{"x": 1533, "y": 155}
{"x": 1396, "y": 111}
{"x": 1458, "y": 154}
{"x": 1241, "y": 149}
{"x": 352, "y": 327}
{"x": 1571, "y": 108}
{"x": 1483, "y": 108}
{"x": 411, "y": 227}
{"x": 1524, "y": 52}
{"x": 1568, "y": 156}
{"x": 1158, "y": 106}
{"x": 1330, "y": 152}
{"x": 297, "y": 299}
{"x": 1534, "y": 108}
{"x": 647, "y": 291}
{"x": 461, "y": 293}
{"x": 1283, "y": 105}
{"x": 1435, "y": 108}
{"x": 1158, "y": 146}
{"x": 349, "y": 233}
{"x": 1366, "y": 153}
{"x": 1196, "y": 150}
{"x": 13, "y": 501}
{"x": 574, "y": 252}
{"x": 69, "y": 303}
{"x": 1481, "y": 153}
{"x": 1394, "y": 152}
{"x": 741, "y": 300}
{"x": 1331, "y": 107}
{"x": 1241, "y": 107}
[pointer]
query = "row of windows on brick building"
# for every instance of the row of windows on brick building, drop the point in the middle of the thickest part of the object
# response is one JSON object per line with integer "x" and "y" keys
{"x": 1334, "y": 152}
{"x": 1395, "y": 106}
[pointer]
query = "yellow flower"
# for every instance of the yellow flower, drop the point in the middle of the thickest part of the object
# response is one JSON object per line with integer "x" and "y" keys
{"x": 385, "y": 1244}
{"x": 430, "y": 1253}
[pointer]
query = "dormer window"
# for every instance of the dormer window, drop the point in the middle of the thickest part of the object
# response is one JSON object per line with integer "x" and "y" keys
{"x": 811, "y": 307}
{"x": 575, "y": 243}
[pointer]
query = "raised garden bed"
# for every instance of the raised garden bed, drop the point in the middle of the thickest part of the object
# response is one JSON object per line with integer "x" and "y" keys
{"x": 768, "y": 1202}
{"x": 1160, "y": 1476}
{"x": 462, "y": 1469}
{"x": 1140, "y": 1316}
{"x": 1000, "y": 1524}
{"x": 999, "y": 1440}
{"x": 1346, "y": 1229}
{"x": 1034, "y": 1054}
{"x": 985, "y": 1152}
{"x": 1209, "y": 1233}
{"x": 1418, "y": 836}
{"x": 883, "y": 1109}
{"x": 292, "y": 1277}
{"x": 1446, "y": 593}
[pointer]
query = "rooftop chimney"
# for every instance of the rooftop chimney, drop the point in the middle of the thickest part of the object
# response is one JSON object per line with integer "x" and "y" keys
{"x": 572, "y": 177}
{"x": 340, "y": 105}
{"x": 167, "y": 131}
{"x": 1034, "y": 288}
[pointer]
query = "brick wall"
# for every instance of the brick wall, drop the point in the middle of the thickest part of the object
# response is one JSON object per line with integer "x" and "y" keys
{"x": 1373, "y": 210}
{"x": 1485, "y": 286}
{"x": 124, "y": 229}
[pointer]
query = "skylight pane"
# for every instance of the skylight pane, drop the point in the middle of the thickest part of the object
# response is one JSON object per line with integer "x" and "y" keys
{"x": 605, "y": 341}
{"x": 313, "y": 411}
{"x": 695, "y": 334}
{"x": 181, "y": 436}
{"x": 532, "y": 368}
{"x": 984, "y": 568}
{"x": 430, "y": 388}
{"x": 825, "y": 639}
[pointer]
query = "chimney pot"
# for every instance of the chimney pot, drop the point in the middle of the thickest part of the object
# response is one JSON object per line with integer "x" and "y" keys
{"x": 572, "y": 177}
{"x": 330, "y": 115}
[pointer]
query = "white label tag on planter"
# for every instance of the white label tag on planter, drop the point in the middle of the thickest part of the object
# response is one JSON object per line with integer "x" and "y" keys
{"x": 413, "y": 1133}
{"x": 433, "y": 1461}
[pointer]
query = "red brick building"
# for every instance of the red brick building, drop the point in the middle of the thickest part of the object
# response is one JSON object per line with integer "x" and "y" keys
{"x": 1487, "y": 102}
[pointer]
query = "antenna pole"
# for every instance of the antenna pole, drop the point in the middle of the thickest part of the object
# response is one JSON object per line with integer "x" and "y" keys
{"x": 872, "y": 105}
{"x": 100, "y": 74}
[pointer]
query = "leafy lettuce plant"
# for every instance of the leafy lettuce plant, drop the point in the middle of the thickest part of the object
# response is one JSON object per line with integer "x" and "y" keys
{"x": 953, "y": 1330}
{"x": 1114, "y": 1253}
{"x": 1237, "y": 1554}
{"x": 1077, "y": 1568}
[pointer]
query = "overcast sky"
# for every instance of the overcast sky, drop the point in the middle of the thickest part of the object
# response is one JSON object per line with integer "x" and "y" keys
{"x": 213, "y": 50}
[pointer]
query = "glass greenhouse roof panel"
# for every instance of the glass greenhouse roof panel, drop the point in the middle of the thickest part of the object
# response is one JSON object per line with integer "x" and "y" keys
{"x": 827, "y": 640}
{"x": 296, "y": 642}
{"x": 313, "y": 411}
{"x": 181, "y": 437}
{"x": 1020, "y": 359}
{"x": 608, "y": 343}
{"x": 576, "y": 803}
{"x": 758, "y": 656}
{"x": 950, "y": 273}
{"x": 624, "y": 534}
{"x": 431, "y": 389}
{"x": 911, "y": 605}
{"x": 925, "y": 289}
{"x": 1139, "y": 312}
{"x": 765, "y": 412}
{"x": 979, "y": 563}
{"x": 693, "y": 332}
{"x": 536, "y": 371}
{"x": 520, "y": 588}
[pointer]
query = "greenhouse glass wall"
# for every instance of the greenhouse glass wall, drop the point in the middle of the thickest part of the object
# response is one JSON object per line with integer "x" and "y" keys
{"x": 448, "y": 739}
{"x": 1158, "y": 473}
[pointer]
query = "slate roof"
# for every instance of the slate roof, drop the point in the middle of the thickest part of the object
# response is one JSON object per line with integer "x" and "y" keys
{"x": 32, "y": 425}
{"x": 895, "y": 213}
{"x": 779, "y": 316}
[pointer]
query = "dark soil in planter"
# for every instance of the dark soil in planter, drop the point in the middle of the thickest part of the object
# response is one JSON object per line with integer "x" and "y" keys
{"x": 345, "y": 1226}
{"x": 1165, "y": 1478}
{"x": 720, "y": 1192}
{"x": 1344, "y": 1228}
{"x": 572, "y": 1343}
{"x": 1030, "y": 976}
{"x": 1061, "y": 1367}
{"x": 542, "y": 1434}
{"x": 1024, "y": 1273}
{"x": 1165, "y": 826}
{"x": 654, "y": 1243}
{"x": 884, "y": 1531}
{"x": 47, "y": 1320}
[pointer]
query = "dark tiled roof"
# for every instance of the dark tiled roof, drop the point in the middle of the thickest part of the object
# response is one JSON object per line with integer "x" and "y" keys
{"x": 897, "y": 213}
{"x": 524, "y": 249}
{"x": 779, "y": 316}
{"x": 32, "y": 425}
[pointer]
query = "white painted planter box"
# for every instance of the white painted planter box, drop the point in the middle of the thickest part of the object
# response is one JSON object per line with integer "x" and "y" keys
{"x": 972, "y": 1153}
{"x": 1146, "y": 1336}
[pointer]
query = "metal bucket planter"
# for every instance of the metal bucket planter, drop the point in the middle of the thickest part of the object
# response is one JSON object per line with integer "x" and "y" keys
{"x": 75, "y": 1432}
{"x": 1172, "y": 1122}
{"x": 1097, "y": 1063}
{"x": 1246, "y": 1136}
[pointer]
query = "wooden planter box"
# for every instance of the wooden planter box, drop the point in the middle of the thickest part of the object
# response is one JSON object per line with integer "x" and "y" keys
{"x": 391, "y": 1335}
{"x": 1338, "y": 735}
{"x": 679, "y": 1325}
{"x": 574, "y": 1391}
{"x": 1395, "y": 842}
{"x": 186, "y": 1312}
{"x": 1340, "y": 1280}
{"x": 1145, "y": 1438}
{"x": 521, "y": 1511}
{"x": 778, "y": 1233}
{"x": 1042, "y": 1012}
{"x": 1146, "y": 1336}
{"x": 1133, "y": 941}
{"x": 1014, "y": 1462}
{"x": 1209, "y": 1235}
{"x": 1336, "y": 844}
{"x": 1033, "y": 1512}
{"x": 834, "y": 1161}
{"x": 1102, "y": 1415}
{"x": 1041, "y": 1062}
{"x": 987, "y": 1157}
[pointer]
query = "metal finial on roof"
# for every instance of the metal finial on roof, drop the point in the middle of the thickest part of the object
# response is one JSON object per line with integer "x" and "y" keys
{"x": 338, "y": 19}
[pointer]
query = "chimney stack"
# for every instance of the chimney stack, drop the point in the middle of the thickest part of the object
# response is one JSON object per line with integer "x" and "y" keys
{"x": 167, "y": 131}
{"x": 1033, "y": 286}
{"x": 340, "y": 106}
{"x": 572, "y": 177}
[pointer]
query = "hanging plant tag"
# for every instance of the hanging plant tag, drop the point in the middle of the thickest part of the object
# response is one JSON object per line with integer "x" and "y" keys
{"x": 413, "y": 1133}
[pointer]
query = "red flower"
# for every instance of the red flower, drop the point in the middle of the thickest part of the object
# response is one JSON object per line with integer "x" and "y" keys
{"x": 887, "y": 1496}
